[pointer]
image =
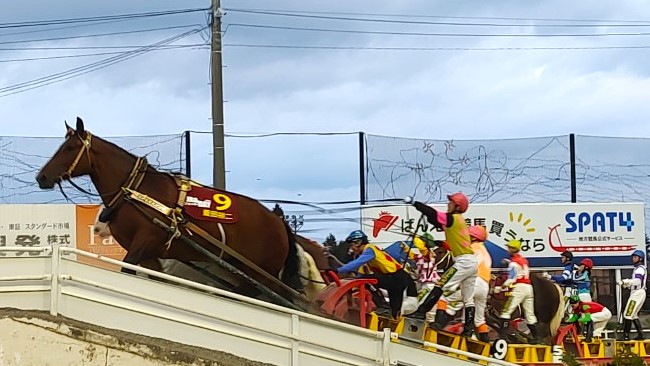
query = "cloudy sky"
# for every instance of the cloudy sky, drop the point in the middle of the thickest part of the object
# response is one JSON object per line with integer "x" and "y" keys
{"x": 426, "y": 69}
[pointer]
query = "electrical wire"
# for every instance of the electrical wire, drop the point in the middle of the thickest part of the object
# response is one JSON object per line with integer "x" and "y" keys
{"x": 102, "y": 34}
{"x": 78, "y": 71}
{"x": 63, "y": 48}
{"x": 40, "y": 23}
{"x": 360, "y": 48}
{"x": 444, "y": 16}
{"x": 331, "y": 30}
{"x": 397, "y": 21}
{"x": 198, "y": 46}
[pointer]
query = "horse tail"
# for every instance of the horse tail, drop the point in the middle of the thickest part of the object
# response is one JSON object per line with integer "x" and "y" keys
{"x": 559, "y": 313}
{"x": 291, "y": 270}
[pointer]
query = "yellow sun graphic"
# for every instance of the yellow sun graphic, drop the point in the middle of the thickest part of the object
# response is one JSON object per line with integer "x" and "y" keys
{"x": 519, "y": 219}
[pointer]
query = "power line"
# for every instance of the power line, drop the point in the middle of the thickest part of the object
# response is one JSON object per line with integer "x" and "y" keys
{"x": 39, "y": 23}
{"x": 52, "y": 29}
{"x": 198, "y": 46}
{"x": 81, "y": 70}
{"x": 93, "y": 47}
{"x": 443, "y": 16}
{"x": 360, "y": 48}
{"x": 264, "y": 26}
{"x": 101, "y": 34}
{"x": 395, "y": 21}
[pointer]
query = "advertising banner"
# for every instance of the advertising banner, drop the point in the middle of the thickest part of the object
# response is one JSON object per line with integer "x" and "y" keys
{"x": 86, "y": 240}
{"x": 36, "y": 225}
{"x": 607, "y": 233}
{"x": 66, "y": 224}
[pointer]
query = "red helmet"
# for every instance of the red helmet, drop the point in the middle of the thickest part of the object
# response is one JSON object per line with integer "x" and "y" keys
{"x": 478, "y": 232}
{"x": 588, "y": 263}
{"x": 460, "y": 200}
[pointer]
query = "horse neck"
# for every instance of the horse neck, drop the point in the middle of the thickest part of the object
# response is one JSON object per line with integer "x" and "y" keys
{"x": 112, "y": 170}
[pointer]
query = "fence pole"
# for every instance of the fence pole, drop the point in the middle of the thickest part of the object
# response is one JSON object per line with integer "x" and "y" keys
{"x": 188, "y": 155}
{"x": 572, "y": 157}
{"x": 54, "y": 285}
{"x": 362, "y": 168}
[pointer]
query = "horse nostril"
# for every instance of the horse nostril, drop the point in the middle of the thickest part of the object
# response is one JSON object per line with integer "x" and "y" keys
{"x": 41, "y": 178}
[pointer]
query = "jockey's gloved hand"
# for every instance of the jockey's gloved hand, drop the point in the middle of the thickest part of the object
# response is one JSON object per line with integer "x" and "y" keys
{"x": 585, "y": 318}
{"x": 497, "y": 289}
{"x": 408, "y": 200}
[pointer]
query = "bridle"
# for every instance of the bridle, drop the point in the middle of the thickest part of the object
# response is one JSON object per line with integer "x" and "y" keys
{"x": 85, "y": 148}
{"x": 132, "y": 181}
{"x": 443, "y": 258}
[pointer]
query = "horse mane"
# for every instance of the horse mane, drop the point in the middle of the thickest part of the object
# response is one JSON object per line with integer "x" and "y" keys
{"x": 116, "y": 147}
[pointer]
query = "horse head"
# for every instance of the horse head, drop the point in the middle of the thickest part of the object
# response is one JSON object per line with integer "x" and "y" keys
{"x": 444, "y": 260}
{"x": 68, "y": 160}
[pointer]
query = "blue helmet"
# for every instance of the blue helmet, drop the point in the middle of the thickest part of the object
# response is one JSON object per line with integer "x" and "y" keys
{"x": 357, "y": 235}
{"x": 639, "y": 253}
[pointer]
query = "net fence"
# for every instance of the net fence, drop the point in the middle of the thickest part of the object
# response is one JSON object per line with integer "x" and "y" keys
{"x": 22, "y": 157}
{"x": 528, "y": 170}
{"x": 488, "y": 171}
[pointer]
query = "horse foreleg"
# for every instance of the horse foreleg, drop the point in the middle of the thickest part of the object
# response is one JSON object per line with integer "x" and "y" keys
{"x": 136, "y": 257}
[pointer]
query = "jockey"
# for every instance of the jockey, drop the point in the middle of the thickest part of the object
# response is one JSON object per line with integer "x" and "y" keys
{"x": 566, "y": 278}
{"x": 375, "y": 263}
{"x": 426, "y": 263}
{"x": 582, "y": 279}
{"x": 478, "y": 235}
{"x": 464, "y": 270}
{"x": 420, "y": 265}
{"x": 593, "y": 315}
{"x": 403, "y": 251}
{"x": 637, "y": 295}
{"x": 519, "y": 275}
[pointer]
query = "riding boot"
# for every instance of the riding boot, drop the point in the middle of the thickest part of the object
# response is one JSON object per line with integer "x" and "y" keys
{"x": 533, "y": 332}
{"x": 442, "y": 318}
{"x": 428, "y": 304}
{"x": 639, "y": 329}
{"x": 589, "y": 331}
{"x": 468, "y": 328}
{"x": 484, "y": 337}
{"x": 503, "y": 328}
{"x": 627, "y": 326}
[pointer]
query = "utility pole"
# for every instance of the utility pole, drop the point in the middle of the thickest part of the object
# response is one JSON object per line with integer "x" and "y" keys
{"x": 218, "y": 151}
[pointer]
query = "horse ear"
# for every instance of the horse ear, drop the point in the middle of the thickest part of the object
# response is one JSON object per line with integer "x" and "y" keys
{"x": 69, "y": 131}
{"x": 80, "y": 127}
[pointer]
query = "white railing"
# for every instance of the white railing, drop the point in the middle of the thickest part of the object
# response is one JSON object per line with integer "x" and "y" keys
{"x": 250, "y": 328}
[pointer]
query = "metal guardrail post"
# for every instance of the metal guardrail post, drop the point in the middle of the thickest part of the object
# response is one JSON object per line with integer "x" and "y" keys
{"x": 385, "y": 347}
{"x": 295, "y": 330}
{"x": 54, "y": 280}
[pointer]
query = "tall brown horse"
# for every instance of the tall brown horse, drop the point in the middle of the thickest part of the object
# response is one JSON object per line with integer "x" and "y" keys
{"x": 135, "y": 193}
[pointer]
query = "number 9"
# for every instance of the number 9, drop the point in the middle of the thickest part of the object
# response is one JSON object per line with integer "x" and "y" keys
{"x": 223, "y": 202}
{"x": 500, "y": 349}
